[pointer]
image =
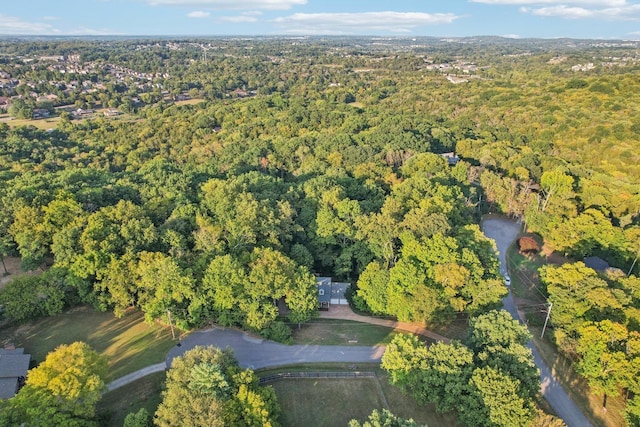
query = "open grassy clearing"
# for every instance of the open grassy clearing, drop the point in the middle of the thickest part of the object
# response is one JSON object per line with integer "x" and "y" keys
{"x": 44, "y": 124}
{"x": 128, "y": 342}
{"x": 193, "y": 101}
{"x": 342, "y": 332}
{"x": 333, "y": 402}
{"x": 326, "y": 402}
{"x": 144, "y": 393}
{"x": 525, "y": 285}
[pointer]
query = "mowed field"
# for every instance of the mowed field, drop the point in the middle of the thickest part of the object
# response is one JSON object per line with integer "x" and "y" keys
{"x": 128, "y": 342}
{"x": 334, "y": 402}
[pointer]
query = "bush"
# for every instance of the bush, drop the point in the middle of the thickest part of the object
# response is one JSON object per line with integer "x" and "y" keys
{"x": 30, "y": 297}
{"x": 138, "y": 419}
{"x": 278, "y": 331}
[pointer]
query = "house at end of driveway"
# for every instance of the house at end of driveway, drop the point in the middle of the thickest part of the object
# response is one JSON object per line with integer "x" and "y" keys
{"x": 331, "y": 293}
{"x": 14, "y": 365}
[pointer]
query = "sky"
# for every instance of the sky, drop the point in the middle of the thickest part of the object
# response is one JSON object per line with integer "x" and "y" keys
{"x": 592, "y": 19}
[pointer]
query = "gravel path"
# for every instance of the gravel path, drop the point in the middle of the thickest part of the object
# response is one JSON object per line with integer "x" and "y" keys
{"x": 134, "y": 376}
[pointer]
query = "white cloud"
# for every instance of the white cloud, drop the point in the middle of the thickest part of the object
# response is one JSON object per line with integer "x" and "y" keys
{"x": 84, "y": 31}
{"x": 238, "y": 19}
{"x": 51, "y": 18}
{"x": 231, "y": 4}
{"x": 586, "y": 3}
{"x": 625, "y": 13}
{"x": 12, "y": 25}
{"x": 350, "y": 23}
{"x": 511, "y": 36}
{"x": 561, "y": 11}
{"x": 620, "y": 10}
{"x": 198, "y": 14}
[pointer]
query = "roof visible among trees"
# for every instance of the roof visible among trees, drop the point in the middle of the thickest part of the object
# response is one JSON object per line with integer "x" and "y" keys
{"x": 13, "y": 365}
{"x": 596, "y": 263}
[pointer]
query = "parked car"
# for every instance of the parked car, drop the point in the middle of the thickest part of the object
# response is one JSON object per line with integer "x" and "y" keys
{"x": 507, "y": 280}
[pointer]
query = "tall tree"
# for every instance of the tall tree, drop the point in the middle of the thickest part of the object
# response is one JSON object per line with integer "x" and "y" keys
{"x": 206, "y": 386}
{"x": 62, "y": 390}
{"x": 384, "y": 418}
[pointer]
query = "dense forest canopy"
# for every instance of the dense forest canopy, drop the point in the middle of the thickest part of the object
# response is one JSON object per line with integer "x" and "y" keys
{"x": 210, "y": 180}
{"x": 218, "y": 162}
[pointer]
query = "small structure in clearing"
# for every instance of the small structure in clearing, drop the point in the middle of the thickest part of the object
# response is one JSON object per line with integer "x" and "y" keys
{"x": 331, "y": 292}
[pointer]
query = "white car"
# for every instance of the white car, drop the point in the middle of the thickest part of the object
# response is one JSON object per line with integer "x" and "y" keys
{"x": 507, "y": 280}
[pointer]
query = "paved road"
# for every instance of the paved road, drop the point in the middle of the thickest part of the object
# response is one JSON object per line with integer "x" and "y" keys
{"x": 255, "y": 353}
{"x": 504, "y": 232}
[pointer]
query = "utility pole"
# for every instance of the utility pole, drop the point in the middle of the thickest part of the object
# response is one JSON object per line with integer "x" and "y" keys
{"x": 628, "y": 273}
{"x": 173, "y": 334}
{"x": 546, "y": 320}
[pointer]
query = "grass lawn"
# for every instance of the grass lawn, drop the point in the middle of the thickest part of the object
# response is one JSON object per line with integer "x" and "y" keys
{"x": 342, "y": 332}
{"x": 525, "y": 284}
{"x": 192, "y": 101}
{"x": 333, "y": 402}
{"x": 128, "y": 342}
{"x": 44, "y": 124}
{"x": 144, "y": 393}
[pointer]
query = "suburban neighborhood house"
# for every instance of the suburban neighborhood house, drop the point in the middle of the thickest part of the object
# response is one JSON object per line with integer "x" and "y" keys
{"x": 331, "y": 292}
{"x": 14, "y": 365}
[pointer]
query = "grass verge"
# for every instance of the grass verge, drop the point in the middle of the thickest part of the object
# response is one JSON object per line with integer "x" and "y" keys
{"x": 576, "y": 386}
{"x": 129, "y": 343}
{"x": 144, "y": 393}
{"x": 342, "y": 332}
{"x": 526, "y": 287}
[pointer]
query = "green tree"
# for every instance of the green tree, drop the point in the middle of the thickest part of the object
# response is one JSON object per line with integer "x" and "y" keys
{"x": 30, "y": 297}
{"x": 205, "y": 386}
{"x": 138, "y": 419}
{"x": 62, "y": 390}
{"x": 404, "y": 357}
{"x": 445, "y": 377}
{"x": 372, "y": 288}
{"x": 578, "y": 295}
{"x": 29, "y": 234}
{"x": 222, "y": 287}
{"x": 164, "y": 288}
{"x": 494, "y": 401}
{"x": 603, "y": 360}
{"x": 499, "y": 341}
{"x": 384, "y": 418}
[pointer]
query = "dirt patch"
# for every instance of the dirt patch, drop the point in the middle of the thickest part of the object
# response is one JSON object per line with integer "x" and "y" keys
{"x": 13, "y": 267}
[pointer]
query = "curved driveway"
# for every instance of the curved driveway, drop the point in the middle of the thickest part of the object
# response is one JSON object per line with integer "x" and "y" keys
{"x": 504, "y": 232}
{"x": 257, "y": 353}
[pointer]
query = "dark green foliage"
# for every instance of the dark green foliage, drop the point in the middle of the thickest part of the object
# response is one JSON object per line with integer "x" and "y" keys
{"x": 322, "y": 157}
{"x": 138, "y": 419}
{"x": 206, "y": 386}
{"x": 384, "y": 418}
{"x": 29, "y": 297}
{"x": 492, "y": 382}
